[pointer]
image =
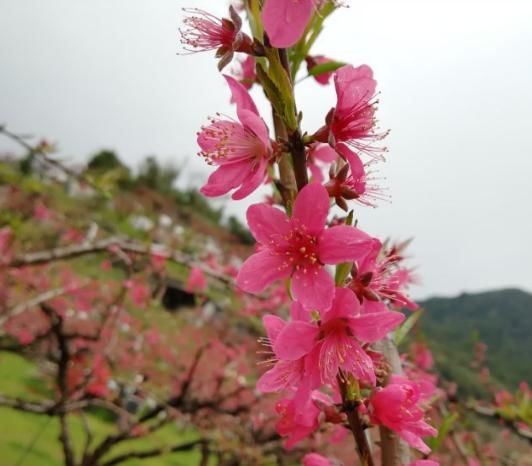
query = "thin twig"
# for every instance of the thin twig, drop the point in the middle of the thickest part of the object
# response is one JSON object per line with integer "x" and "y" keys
{"x": 154, "y": 452}
{"x": 40, "y": 299}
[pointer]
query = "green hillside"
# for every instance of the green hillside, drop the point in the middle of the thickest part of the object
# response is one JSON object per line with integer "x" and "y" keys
{"x": 502, "y": 319}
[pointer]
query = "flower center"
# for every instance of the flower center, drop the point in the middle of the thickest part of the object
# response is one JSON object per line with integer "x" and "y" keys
{"x": 302, "y": 251}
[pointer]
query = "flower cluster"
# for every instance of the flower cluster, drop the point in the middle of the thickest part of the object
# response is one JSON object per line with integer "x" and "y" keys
{"x": 324, "y": 359}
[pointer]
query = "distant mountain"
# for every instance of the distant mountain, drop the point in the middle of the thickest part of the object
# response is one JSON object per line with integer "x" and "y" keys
{"x": 502, "y": 319}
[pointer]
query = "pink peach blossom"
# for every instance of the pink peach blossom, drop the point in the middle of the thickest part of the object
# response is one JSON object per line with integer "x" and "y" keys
{"x": 352, "y": 182}
{"x": 424, "y": 463}
{"x": 299, "y": 247}
{"x": 284, "y": 374}
{"x": 295, "y": 424}
{"x": 333, "y": 343}
{"x": 379, "y": 277}
{"x": 241, "y": 150}
{"x": 352, "y": 122}
{"x": 421, "y": 355}
{"x": 204, "y": 31}
{"x": 396, "y": 407}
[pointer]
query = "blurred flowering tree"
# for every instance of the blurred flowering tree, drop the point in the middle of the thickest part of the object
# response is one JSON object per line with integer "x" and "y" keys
{"x": 83, "y": 305}
{"x": 333, "y": 388}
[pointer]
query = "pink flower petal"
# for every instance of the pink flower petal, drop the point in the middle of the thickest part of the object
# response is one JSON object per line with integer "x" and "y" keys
{"x": 353, "y": 85}
{"x": 283, "y": 375}
{"x": 240, "y": 96}
{"x": 256, "y": 124}
{"x": 225, "y": 178}
{"x": 339, "y": 350}
{"x": 345, "y": 304}
{"x": 285, "y": 21}
{"x": 311, "y": 208}
{"x": 316, "y": 173}
{"x": 260, "y": 270}
{"x": 375, "y": 326}
{"x": 296, "y": 340}
{"x": 298, "y": 312}
{"x": 343, "y": 243}
{"x": 313, "y": 289}
{"x": 356, "y": 165}
{"x": 414, "y": 441}
{"x": 258, "y": 175}
{"x": 267, "y": 223}
{"x": 273, "y": 325}
{"x": 325, "y": 153}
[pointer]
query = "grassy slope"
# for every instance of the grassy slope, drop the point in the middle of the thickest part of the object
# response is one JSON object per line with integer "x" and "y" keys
{"x": 19, "y": 429}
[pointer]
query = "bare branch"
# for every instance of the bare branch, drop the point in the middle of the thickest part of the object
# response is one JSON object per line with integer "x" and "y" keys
{"x": 154, "y": 452}
{"x": 66, "y": 252}
{"x": 40, "y": 299}
{"x": 38, "y": 150}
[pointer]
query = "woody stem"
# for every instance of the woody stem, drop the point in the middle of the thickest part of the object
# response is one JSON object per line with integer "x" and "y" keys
{"x": 350, "y": 407}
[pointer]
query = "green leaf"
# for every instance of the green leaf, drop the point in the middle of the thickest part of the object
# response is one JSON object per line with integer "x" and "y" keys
{"x": 403, "y": 331}
{"x": 323, "y": 68}
{"x": 444, "y": 429}
{"x": 279, "y": 76}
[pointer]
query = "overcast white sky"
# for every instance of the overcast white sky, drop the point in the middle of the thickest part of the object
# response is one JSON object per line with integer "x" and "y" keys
{"x": 455, "y": 77}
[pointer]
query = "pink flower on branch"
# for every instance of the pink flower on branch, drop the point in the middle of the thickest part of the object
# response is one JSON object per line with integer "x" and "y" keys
{"x": 351, "y": 182}
{"x": 379, "y": 276}
{"x": 296, "y": 424}
{"x": 352, "y": 122}
{"x": 334, "y": 343}
{"x": 397, "y": 407}
{"x": 204, "y": 31}
{"x": 241, "y": 149}
{"x": 285, "y": 374}
{"x": 299, "y": 247}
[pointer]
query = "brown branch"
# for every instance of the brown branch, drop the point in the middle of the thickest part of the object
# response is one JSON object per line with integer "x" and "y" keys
{"x": 491, "y": 412}
{"x": 111, "y": 440}
{"x": 357, "y": 427}
{"x": 47, "y": 407}
{"x": 36, "y": 150}
{"x": 359, "y": 434}
{"x": 37, "y": 407}
{"x": 154, "y": 452}
{"x": 65, "y": 252}
{"x": 39, "y": 299}
{"x": 88, "y": 435}
{"x": 295, "y": 141}
{"x": 61, "y": 380}
{"x": 74, "y": 251}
